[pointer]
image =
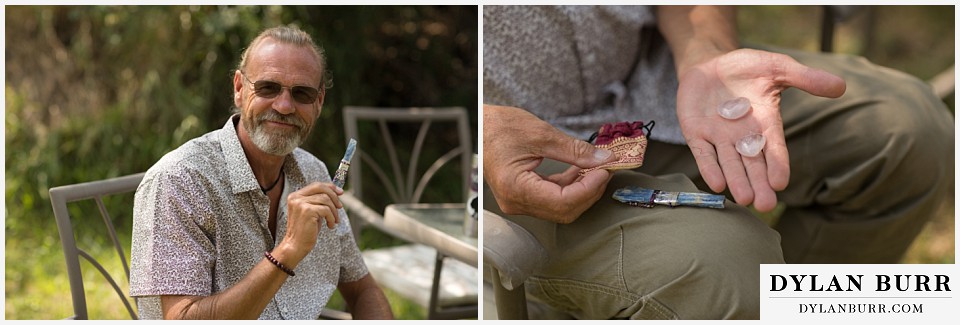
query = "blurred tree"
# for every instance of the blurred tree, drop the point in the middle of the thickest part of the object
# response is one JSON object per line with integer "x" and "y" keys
{"x": 96, "y": 92}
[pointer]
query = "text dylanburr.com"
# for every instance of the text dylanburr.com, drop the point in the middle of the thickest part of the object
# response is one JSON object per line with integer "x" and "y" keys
{"x": 858, "y": 292}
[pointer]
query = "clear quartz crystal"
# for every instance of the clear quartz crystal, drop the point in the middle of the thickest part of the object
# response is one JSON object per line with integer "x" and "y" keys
{"x": 751, "y": 145}
{"x": 734, "y": 108}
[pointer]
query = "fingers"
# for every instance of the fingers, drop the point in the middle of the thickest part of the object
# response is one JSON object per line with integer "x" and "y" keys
{"x": 314, "y": 213}
{"x": 565, "y": 178}
{"x": 511, "y": 130}
{"x": 515, "y": 143}
{"x": 319, "y": 189}
{"x": 322, "y": 212}
{"x": 317, "y": 200}
{"x": 706, "y": 157}
{"x": 764, "y": 198}
{"x": 535, "y": 196}
{"x": 733, "y": 171}
{"x": 579, "y": 196}
{"x": 777, "y": 159}
{"x": 306, "y": 208}
{"x": 747, "y": 177}
{"x": 588, "y": 189}
{"x": 814, "y": 81}
{"x": 562, "y": 147}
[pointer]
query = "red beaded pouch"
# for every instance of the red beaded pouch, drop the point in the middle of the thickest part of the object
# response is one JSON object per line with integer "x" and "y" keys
{"x": 627, "y": 140}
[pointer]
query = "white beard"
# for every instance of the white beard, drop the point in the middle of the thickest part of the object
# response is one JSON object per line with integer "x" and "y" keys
{"x": 276, "y": 143}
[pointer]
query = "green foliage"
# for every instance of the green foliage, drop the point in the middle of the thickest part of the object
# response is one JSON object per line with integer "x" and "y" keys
{"x": 94, "y": 92}
{"x": 918, "y": 40}
{"x": 401, "y": 307}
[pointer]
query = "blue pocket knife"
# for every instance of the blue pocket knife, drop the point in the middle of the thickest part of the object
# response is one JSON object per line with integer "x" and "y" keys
{"x": 340, "y": 176}
{"x": 647, "y": 198}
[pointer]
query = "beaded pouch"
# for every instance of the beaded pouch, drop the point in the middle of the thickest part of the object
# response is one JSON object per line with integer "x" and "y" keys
{"x": 627, "y": 140}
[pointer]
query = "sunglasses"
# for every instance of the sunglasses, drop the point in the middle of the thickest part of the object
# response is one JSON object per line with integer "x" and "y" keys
{"x": 271, "y": 89}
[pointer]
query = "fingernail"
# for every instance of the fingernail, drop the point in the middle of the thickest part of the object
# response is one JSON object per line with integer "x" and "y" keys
{"x": 602, "y": 154}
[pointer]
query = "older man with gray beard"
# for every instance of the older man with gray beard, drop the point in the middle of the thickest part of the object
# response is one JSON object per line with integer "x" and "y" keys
{"x": 240, "y": 222}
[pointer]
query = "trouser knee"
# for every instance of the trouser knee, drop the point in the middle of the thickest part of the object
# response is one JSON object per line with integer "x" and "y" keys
{"x": 867, "y": 169}
{"x": 712, "y": 267}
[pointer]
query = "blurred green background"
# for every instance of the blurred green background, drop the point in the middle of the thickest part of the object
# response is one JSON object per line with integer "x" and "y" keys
{"x": 99, "y": 92}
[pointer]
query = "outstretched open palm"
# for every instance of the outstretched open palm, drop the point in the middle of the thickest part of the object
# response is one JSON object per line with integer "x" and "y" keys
{"x": 760, "y": 77}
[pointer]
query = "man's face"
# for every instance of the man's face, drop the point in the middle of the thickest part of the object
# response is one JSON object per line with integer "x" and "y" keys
{"x": 278, "y": 125}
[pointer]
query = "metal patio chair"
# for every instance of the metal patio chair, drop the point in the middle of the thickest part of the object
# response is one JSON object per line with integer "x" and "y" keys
{"x": 397, "y": 169}
{"x": 96, "y": 190}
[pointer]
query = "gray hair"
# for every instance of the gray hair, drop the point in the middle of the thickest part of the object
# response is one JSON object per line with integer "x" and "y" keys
{"x": 293, "y": 36}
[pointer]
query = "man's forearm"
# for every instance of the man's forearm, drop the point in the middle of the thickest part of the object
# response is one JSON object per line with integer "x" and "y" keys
{"x": 697, "y": 33}
{"x": 244, "y": 300}
{"x": 365, "y": 299}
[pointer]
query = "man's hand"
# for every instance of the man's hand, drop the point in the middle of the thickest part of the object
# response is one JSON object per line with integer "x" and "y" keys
{"x": 515, "y": 142}
{"x": 307, "y": 210}
{"x": 760, "y": 77}
{"x": 711, "y": 70}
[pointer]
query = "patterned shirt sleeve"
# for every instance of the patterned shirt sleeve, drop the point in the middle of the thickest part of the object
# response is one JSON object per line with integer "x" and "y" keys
{"x": 177, "y": 257}
{"x": 352, "y": 267}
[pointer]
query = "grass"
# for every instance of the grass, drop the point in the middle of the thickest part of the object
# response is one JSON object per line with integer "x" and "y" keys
{"x": 937, "y": 240}
{"x": 37, "y": 286}
{"x": 40, "y": 289}
{"x": 401, "y": 307}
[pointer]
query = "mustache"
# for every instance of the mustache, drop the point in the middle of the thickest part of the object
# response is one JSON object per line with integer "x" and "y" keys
{"x": 273, "y": 116}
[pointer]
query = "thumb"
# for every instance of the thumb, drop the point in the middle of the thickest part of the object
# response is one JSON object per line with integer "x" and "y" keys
{"x": 814, "y": 81}
{"x": 564, "y": 148}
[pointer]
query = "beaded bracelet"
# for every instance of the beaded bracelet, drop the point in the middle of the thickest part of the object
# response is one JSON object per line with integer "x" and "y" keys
{"x": 277, "y": 263}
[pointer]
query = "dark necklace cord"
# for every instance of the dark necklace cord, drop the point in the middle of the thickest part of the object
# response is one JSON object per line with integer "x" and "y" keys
{"x": 265, "y": 190}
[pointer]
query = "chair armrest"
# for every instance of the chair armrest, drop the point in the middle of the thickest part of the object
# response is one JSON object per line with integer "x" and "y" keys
{"x": 359, "y": 209}
{"x": 333, "y": 314}
{"x": 512, "y": 250}
{"x": 944, "y": 83}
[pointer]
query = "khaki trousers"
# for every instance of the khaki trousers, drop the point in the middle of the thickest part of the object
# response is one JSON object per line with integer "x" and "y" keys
{"x": 867, "y": 171}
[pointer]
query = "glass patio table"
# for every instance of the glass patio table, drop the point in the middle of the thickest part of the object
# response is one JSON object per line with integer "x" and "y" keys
{"x": 438, "y": 225}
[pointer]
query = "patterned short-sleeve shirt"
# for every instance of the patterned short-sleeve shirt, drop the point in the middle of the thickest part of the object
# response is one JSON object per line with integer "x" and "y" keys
{"x": 579, "y": 67}
{"x": 201, "y": 224}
